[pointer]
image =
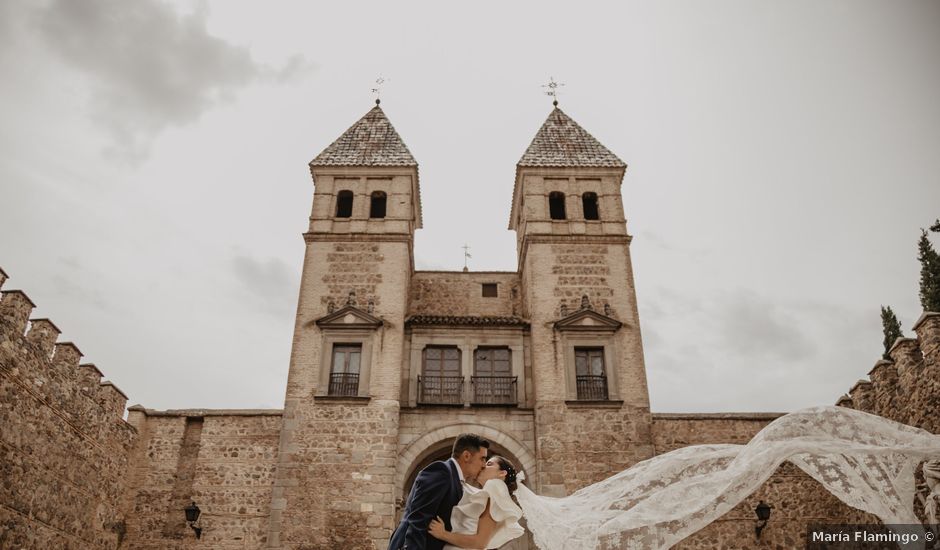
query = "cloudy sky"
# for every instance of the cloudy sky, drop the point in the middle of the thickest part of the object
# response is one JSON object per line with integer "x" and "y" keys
{"x": 782, "y": 158}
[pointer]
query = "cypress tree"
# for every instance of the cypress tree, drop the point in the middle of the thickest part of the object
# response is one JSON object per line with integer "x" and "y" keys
{"x": 892, "y": 329}
{"x": 929, "y": 274}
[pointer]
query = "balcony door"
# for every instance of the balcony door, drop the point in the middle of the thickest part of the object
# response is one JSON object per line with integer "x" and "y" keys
{"x": 441, "y": 381}
{"x": 344, "y": 373}
{"x": 591, "y": 373}
{"x": 493, "y": 382}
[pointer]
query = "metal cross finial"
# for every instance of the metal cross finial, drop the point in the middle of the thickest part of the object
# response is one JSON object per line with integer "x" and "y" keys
{"x": 553, "y": 89}
{"x": 377, "y": 90}
{"x": 466, "y": 255}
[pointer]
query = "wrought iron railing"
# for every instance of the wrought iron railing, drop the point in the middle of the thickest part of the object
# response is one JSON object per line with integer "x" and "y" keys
{"x": 592, "y": 387}
{"x": 344, "y": 383}
{"x": 493, "y": 390}
{"x": 440, "y": 390}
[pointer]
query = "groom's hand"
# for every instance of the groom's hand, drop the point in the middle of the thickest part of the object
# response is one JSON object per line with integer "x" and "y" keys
{"x": 437, "y": 528}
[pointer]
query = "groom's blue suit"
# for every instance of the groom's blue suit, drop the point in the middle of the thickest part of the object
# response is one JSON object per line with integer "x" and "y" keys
{"x": 435, "y": 493}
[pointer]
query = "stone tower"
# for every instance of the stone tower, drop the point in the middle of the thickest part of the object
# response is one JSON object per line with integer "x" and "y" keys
{"x": 579, "y": 297}
{"x": 339, "y": 434}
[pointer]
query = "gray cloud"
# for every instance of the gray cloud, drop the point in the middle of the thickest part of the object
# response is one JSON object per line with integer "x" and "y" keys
{"x": 272, "y": 283}
{"x": 149, "y": 67}
{"x": 754, "y": 326}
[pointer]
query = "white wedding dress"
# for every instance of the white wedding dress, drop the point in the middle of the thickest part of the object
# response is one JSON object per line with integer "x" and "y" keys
{"x": 466, "y": 514}
{"x": 866, "y": 461}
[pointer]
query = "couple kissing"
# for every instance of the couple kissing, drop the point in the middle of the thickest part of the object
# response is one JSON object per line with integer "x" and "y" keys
{"x": 462, "y": 503}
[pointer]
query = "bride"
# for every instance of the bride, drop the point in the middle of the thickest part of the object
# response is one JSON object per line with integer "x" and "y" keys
{"x": 487, "y": 517}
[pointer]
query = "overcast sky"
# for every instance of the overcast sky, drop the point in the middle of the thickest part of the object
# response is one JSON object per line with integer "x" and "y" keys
{"x": 782, "y": 158}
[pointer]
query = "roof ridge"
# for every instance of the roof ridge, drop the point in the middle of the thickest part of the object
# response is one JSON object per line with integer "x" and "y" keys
{"x": 562, "y": 142}
{"x": 370, "y": 141}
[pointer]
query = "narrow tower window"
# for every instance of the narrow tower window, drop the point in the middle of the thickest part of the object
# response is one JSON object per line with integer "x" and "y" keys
{"x": 377, "y": 209}
{"x": 556, "y": 205}
{"x": 589, "y": 201}
{"x": 344, "y": 201}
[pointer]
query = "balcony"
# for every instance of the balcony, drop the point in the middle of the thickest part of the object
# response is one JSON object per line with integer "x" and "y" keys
{"x": 344, "y": 384}
{"x": 440, "y": 390}
{"x": 592, "y": 387}
{"x": 493, "y": 390}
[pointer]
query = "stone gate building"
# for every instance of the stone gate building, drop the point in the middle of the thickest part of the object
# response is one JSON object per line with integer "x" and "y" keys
{"x": 388, "y": 365}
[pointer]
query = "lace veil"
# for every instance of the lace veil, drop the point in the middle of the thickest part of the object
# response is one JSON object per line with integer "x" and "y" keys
{"x": 866, "y": 461}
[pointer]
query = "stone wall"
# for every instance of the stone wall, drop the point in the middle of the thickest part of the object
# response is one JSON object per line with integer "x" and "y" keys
{"x": 560, "y": 273}
{"x": 460, "y": 293}
{"x": 222, "y": 460}
{"x": 905, "y": 388}
{"x": 64, "y": 445}
{"x": 333, "y": 486}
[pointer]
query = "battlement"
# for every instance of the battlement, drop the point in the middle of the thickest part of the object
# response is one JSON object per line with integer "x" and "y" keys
{"x": 905, "y": 388}
{"x": 63, "y": 434}
{"x": 50, "y": 368}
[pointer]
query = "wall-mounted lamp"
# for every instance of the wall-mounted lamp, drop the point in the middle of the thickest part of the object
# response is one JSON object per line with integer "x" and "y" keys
{"x": 763, "y": 514}
{"x": 192, "y": 516}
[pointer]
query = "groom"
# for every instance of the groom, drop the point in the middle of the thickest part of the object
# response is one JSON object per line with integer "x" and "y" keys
{"x": 436, "y": 491}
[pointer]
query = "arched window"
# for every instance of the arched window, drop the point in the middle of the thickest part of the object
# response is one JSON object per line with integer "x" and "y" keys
{"x": 344, "y": 200}
{"x": 589, "y": 201}
{"x": 377, "y": 209}
{"x": 556, "y": 205}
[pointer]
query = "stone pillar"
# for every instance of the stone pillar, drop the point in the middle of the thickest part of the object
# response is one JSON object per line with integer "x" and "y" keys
{"x": 15, "y": 307}
{"x": 884, "y": 380}
{"x": 907, "y": 360}
{"x": 863, "y": 396}
{"x": 43, "y": 334}
{"x": 927, "y": 329}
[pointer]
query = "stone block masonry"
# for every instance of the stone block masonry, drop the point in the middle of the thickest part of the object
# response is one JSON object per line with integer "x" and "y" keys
{"x": 223, "y": 460}
{"x": 64, "y": 446}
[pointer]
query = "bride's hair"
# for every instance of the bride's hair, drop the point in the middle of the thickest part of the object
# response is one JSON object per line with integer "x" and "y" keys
{"x": 510, "y": 469}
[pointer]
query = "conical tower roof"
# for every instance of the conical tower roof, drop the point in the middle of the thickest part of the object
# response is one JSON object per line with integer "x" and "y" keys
{"x": 561, "y": 143}
{"x": 371, "y": 141}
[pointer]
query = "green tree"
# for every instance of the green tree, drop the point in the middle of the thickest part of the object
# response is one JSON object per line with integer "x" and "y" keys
{"x": 929, "y": 274}
{"x": 936, "y": 226}
{"x": 892, "y": 329}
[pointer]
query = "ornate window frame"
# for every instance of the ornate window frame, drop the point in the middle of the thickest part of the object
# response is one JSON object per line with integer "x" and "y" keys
{"x": 586, "y": 328}
{"x": 349, "y": 325}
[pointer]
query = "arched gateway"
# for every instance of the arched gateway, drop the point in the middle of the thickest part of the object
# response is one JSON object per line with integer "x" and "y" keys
{"x": 437, "y": 444}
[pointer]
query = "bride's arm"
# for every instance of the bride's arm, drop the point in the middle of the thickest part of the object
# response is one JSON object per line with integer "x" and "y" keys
{"x": 485, "y": 529}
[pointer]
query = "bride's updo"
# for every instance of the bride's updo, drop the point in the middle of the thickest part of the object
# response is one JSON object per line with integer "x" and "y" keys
{"x": 510, "y": 469}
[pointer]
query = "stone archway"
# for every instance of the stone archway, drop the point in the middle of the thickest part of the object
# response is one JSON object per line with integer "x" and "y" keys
{"x": 437, "y": 444}
{"x": 435, "y": 440}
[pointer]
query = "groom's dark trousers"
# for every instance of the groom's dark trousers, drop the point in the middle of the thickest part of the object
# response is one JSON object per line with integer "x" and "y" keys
{"x": 435, "y": 493}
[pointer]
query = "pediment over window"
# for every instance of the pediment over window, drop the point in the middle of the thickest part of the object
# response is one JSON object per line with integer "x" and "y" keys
{"x": 588, "y": 320}
{"x": 349, "y": 317}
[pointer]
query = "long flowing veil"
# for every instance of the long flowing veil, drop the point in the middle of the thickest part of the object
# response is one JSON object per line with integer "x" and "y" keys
{"x": 866, "y": 461}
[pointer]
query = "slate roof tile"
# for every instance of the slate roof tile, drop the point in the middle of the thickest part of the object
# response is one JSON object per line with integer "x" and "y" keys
{"x": 561, "y": 142}
{"x": 371, "y": 141}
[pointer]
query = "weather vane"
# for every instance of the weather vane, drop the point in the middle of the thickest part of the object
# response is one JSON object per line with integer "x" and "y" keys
{"x": 466, "y": 256}
{"x": 377, "y": 91}
{"x": 553, "y": 89}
